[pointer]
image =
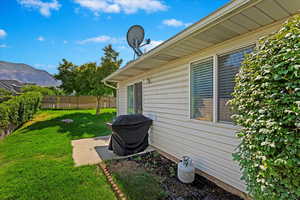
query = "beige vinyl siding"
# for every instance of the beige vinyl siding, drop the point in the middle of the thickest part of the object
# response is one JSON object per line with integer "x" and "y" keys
{"x": 167, "y": 96}
{"x": 122, "y": 100}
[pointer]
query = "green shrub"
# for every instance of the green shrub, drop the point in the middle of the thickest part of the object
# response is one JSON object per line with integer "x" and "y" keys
{"x": 57, "y": 91}
{"x": 4, "y": 92}
{"x": 5, "y": 98}
{"x": 35, "y": 88}
{"x": 19, "y": 109}
{"x": 266, "y": 100}
{"x": 4, "y": 119}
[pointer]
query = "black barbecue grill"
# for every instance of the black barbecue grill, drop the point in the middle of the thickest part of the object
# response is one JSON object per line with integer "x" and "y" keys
{"x": 129, "y": 134}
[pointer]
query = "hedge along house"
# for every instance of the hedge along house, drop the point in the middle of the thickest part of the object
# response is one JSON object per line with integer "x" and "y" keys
{"x": 184, "y": 84}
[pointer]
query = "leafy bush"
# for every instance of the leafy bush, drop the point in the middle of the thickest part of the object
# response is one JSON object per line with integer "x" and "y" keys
{"x": 5, "y": 98}
{"x": 19, "y": 109}
{"x": 4, "y": 92}
{"x": 57, "y": 91}
{"x": 4, "y": 119}
{"x": 35, "y": 88}
{"x": 266, "y": 99}
{"x": 5, "y": 95}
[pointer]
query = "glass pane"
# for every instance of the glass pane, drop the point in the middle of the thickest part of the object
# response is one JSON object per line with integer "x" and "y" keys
{"x": 228, "y": 67}
{"x": 130, "y": 100}
{"x": 202, "y": 90}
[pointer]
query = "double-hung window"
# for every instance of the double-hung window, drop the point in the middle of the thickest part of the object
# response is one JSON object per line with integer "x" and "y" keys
{"x": 202, "y": 105}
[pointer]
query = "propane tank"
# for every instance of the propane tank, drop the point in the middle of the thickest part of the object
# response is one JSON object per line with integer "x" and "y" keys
{"x": 186, "y": 170}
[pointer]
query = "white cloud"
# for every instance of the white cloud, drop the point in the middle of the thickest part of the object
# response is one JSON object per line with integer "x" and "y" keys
{"x": 3, "y": 46}
{"x": 47, "y": 67}
{"x": 152, "y": 45}
{"x": 43, "y": 7}
{"x": 65, "y": 42}
{"x": 175, "y": 23}
{"x": 41, "y": 38}
{"x": 99, "y": 39}
{"x": 126, "y": 6}
{"x": 3, "y": 34}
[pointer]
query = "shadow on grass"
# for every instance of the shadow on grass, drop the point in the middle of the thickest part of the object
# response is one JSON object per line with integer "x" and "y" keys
{"x": 84, "y": 125}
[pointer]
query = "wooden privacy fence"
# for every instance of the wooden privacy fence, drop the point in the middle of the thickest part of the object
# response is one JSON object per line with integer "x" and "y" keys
{"x": 77, "y": 102}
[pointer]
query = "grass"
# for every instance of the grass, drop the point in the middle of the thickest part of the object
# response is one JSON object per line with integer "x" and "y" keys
{"x": 136, "y": 182}
{"x": 139, "y": 186}
{"x": 36, "y": 160}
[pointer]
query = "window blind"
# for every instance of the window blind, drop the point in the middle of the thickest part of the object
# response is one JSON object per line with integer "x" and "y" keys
{"x": 202, "y": 90}
{"x": 228, "y": 66}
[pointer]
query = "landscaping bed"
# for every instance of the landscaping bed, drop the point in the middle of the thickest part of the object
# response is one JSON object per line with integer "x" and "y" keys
{"x": 153, "y": 177}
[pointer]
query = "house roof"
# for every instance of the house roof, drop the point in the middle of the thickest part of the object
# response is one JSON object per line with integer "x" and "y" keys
{"x": 11, "y": 85}
{"x": 234, "y": 19}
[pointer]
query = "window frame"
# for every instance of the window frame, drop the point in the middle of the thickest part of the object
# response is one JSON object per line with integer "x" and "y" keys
{"x": 132, "y": 83}
{"x": 190, "y": 86}
{"x": 236, "y": 50}
{"x": 215, "y": 57}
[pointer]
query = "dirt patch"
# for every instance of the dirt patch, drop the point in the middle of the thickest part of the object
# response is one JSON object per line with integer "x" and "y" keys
{"x": 125, "y": 166}
{"x": 159, "y": 166}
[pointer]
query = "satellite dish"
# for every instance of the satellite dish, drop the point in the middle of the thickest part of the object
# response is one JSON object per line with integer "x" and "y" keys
{"x": 135, "y": 38}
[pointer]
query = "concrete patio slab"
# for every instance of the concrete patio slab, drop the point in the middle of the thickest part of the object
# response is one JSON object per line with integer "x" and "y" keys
{"x": 92, "y": 151}
{"x": 105, "y": 154}
{"x": 84, "y": 152}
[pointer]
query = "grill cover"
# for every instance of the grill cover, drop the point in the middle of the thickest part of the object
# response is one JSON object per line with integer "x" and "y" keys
{"x": 129, "y": 134}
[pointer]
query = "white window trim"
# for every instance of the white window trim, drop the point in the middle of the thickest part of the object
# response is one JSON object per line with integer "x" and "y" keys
{"x": 189, "y": 79}
{"x": 215, "y": 86}
{"x": 132, "y": 83}
{"x": 215, "y": 56}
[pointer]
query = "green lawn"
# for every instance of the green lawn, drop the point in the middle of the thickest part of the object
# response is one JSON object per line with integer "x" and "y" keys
{"x": 135, "y": 181}
{"x": 36, "y": 160}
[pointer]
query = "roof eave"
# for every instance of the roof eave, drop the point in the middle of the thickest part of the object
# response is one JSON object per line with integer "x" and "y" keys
{"x": 227, "y": 8}
{"x": 219, "y": 23}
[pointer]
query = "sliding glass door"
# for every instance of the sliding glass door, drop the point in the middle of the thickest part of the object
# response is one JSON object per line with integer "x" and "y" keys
{"x": 135, "y": 98}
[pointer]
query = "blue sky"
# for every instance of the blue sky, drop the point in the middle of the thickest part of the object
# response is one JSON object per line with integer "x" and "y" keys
{"x": 42, "y": 32}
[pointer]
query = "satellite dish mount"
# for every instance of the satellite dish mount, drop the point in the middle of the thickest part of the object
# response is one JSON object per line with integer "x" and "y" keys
{"x": 135, "y": 38}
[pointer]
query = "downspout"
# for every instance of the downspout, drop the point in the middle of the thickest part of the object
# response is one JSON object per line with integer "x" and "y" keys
{"x": 106, "y": 84}
{"x": 113, "y": 87}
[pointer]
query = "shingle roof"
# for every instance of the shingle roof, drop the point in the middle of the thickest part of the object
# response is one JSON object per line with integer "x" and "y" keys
{"x": 11, "y": 85}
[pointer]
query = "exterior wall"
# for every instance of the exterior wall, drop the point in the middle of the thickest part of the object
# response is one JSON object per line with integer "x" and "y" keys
{"x": 166, "y": 96}
{"x": 122, "y": 100}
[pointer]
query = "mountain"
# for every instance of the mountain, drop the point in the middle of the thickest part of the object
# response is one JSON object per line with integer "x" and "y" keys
{"x": 26, "y": 73}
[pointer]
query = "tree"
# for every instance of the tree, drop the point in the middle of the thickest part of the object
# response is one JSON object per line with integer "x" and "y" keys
{"x": 110, "y": 62}
{"x": 67, "y": 75}
{"x": 267, "y": 102}
{"x": 35, "y": 88}
{"x": 87, "y": 78}
{"x": 90, "y": 75}
{"x": 57, "y": 91}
